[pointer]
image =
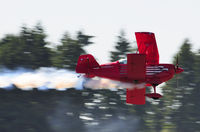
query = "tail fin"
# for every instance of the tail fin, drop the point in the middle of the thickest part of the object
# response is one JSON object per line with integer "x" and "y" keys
{"x": 86, "y": 62}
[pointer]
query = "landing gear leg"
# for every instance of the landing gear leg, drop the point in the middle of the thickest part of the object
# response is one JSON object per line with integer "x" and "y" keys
{"x": 154, "y": 88}
{"x": 154, "y": 95}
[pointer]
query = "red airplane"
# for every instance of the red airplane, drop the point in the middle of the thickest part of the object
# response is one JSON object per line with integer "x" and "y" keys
{"x": 142, "y": 67}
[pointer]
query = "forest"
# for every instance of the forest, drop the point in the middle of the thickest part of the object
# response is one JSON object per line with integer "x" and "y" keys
{"x": 90, "y": 110}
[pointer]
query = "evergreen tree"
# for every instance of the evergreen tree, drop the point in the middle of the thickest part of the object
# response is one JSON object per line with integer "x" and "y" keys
{"x": 35, "y": 52}
{"x": 194, "y": 98}
{"x": 177, "y": 95}
{"x": 10, "y": 54}
{"x": 83, "y": 39}
{"x": 122, "y": 47}
{"x": 28, "y": 49}
{"x": 67, "y": 54}
{"x": 196, "y": 68}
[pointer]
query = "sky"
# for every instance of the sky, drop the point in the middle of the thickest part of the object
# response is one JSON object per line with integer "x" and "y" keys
{"x": 172, "y": 21}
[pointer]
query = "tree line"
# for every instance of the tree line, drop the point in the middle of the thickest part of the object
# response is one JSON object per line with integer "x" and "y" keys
{"x": 178, "y": 109}
{"x": 30, "y": 49}
{"x": 105, "y": 110}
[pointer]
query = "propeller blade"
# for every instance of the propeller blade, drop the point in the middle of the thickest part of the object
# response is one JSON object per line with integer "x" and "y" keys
{"x": 177, "y": 61}
{"x": 176, "y": 65}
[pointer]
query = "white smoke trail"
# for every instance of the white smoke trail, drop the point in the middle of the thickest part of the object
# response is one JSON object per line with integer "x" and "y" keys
{"x": 60, "y": 79}
{"x": 100, "y": 83}
{"x": 49, "y": 78}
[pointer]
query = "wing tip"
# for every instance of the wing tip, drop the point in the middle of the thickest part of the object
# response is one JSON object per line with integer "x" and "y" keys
{"x": 144, "y": 33}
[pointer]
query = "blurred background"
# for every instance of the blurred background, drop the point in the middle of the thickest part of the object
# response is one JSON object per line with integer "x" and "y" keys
{"x": 40, "y": 42}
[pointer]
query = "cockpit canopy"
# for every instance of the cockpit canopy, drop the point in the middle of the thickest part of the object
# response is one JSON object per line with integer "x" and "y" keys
{"x": 123, "y": 61}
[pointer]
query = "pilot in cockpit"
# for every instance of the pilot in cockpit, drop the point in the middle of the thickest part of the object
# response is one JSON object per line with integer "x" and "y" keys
{"x": 123, "y": 61}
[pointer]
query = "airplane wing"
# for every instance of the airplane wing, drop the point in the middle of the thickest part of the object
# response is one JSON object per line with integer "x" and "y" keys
{"x": 135, "y": 96}
{"x": 147, "y": 45}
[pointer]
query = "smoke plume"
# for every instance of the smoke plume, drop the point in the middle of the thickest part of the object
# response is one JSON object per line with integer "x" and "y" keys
{"x": 100, "y": 83}
{"x": 42, "y": 78}
{"x": 60, "y": 79}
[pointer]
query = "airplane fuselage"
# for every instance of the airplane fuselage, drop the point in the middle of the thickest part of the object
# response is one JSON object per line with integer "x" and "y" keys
{"x": 155, "y": 74}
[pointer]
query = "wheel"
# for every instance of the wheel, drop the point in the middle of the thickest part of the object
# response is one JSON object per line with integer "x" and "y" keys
{"x": 155, "y": 98}
{"x": 154, "y": 95}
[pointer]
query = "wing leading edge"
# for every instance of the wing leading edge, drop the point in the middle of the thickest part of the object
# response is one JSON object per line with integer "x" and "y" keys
{"x": 147, "y": 45}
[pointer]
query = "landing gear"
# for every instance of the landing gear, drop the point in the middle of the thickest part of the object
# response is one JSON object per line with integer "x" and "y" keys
{"x": 154, "y": 95}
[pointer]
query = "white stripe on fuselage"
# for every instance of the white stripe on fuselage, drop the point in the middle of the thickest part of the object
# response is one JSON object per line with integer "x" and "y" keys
{"x": 152, "y": 70}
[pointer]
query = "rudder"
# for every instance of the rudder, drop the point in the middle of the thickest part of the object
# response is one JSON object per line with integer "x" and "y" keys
{"x": 86, "y": 62}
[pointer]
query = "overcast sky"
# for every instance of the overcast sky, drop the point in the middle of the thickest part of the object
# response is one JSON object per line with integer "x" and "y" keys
{"x": 171, "y": 20}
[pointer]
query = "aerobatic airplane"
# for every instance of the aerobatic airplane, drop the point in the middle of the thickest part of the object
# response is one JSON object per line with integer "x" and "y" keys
{"x": 142, "y": 67}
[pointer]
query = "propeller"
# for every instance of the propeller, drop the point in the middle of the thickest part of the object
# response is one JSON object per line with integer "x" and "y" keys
{"x": 176, "y": 66}
{"x": 176, "y": 69}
